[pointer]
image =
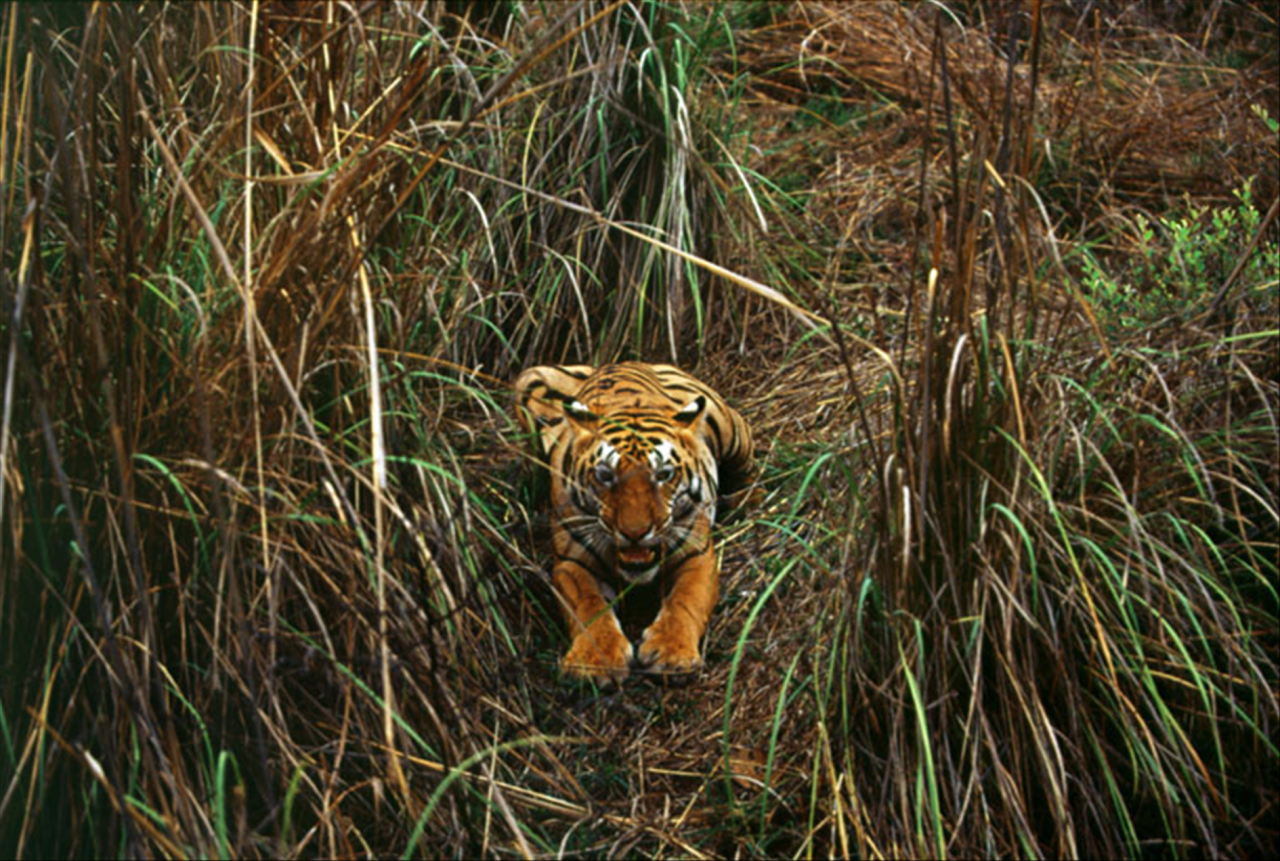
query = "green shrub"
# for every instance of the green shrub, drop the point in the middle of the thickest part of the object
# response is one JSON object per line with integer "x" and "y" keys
{"x": 1181, "y": 261}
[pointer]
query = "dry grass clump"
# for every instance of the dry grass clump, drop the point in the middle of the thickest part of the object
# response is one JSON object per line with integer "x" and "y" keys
{"x": 273, "y": 556}
{"x": 1131, "y": 111}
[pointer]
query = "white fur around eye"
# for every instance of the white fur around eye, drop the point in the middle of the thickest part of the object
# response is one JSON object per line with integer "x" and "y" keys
{"x": 663, "y": 452}
{"x": 661, "y": 460}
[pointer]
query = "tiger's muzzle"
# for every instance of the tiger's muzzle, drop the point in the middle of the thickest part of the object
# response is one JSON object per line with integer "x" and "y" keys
{"x": 638, "y": 557}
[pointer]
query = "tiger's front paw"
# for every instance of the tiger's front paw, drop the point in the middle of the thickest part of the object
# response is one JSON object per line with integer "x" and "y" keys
{"x": 600, "y": 653}
{"x": 670, "y": 644}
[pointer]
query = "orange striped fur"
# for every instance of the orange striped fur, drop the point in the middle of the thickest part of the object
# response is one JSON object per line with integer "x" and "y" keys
{"x": 637, "y": 455}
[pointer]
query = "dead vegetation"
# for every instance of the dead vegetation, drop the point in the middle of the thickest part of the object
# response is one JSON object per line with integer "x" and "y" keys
{"x": 273, "y": 556}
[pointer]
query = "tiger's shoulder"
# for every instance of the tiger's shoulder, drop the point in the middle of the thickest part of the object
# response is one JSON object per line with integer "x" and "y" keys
{"x": 545, "y": 389}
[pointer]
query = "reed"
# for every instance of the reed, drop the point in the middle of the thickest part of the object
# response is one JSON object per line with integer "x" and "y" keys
{"x": 996, "y": 286}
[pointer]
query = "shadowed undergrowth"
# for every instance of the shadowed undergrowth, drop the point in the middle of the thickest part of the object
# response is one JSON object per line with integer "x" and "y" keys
{"x": 996, "y": 287}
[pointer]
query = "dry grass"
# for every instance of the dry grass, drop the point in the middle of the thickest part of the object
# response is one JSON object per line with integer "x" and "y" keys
{"x": 273, "y": 558}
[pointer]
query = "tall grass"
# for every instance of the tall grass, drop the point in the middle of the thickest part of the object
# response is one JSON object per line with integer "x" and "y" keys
{"x": 1075, "y": 650}
{"x": 269, "y": 589}
{"x": 273, "y": 556}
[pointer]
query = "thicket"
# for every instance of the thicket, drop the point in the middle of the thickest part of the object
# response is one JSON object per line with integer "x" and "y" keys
{"x": 996, "y": 284}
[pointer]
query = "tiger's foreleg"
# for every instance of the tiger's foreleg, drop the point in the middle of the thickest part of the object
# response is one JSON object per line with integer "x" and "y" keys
{"x": 670, "y": 644}
{"x": 599, "y": 649}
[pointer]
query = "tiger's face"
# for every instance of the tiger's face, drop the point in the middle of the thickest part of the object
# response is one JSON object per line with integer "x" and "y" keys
{"x": 640, "y": 493}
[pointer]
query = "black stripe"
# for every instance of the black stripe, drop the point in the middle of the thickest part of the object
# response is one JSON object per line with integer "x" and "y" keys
{"x": 681, "y": 554}
{"x": 602, "y": 566}
{"x": 578, "y": 562}
{"x": 714, "y": 424}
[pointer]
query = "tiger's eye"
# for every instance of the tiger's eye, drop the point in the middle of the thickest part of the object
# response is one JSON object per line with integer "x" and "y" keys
{"x": 663, "y": 473}
{"x": 604, "y": 474}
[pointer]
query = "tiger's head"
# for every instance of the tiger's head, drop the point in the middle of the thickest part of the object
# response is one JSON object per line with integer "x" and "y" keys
{"x": 638, "y": 480}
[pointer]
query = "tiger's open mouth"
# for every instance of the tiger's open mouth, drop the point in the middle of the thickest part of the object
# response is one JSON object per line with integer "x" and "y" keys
{"x": 636, "y": 560}
{"x": 635, "y": 555}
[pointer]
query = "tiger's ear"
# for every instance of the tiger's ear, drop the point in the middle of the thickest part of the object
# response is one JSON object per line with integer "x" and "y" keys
{"x": 579, "y": 416}
{"x": 691, "y": 414}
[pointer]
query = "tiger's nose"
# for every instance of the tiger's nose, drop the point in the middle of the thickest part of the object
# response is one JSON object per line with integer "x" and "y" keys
{"x": 635, "y": 533}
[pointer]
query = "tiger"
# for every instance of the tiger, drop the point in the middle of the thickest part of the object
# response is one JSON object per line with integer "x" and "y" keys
{"x": 638, "y": 455}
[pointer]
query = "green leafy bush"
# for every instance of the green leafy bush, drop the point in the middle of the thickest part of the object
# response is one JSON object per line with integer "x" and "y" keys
{"x": 1182, "y": 260}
